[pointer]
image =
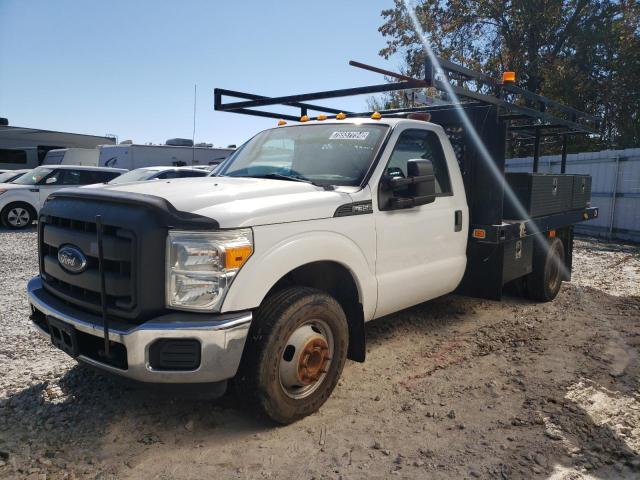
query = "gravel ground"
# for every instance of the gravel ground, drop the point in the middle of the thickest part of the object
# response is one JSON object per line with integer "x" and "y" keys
{"x": 454, "y": 388}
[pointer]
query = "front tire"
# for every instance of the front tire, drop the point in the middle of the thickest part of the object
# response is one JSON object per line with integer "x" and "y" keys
{"x": 294, "y": 355}
{"x": 17, "y": 216}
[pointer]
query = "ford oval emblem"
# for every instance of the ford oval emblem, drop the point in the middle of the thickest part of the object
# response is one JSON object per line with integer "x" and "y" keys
{"x": 72, "y": 259}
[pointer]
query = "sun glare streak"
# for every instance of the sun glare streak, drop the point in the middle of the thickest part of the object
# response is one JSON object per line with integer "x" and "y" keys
{"x": 484, "y": 153}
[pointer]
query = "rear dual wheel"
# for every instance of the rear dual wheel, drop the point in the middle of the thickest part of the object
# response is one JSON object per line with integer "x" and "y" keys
{"x": 549, "y": 270}
{"x": 295, "y": 353}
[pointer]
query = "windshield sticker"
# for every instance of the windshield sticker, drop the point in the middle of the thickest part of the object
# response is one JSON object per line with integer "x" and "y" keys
{"x": 349, "y": 136}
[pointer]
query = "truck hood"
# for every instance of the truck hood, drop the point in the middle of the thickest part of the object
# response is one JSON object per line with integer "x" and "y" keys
{"x": 242, "y": 202}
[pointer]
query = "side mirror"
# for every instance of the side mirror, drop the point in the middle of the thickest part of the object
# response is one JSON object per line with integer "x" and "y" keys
{"x": 418, "y": 188}
{"x": 50, "y": 181}
{"x": 424, "y": 181}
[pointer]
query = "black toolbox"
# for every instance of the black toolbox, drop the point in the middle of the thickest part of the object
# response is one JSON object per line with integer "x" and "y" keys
{"x": 539, "y": 193}
{"x": 581, "y": 191}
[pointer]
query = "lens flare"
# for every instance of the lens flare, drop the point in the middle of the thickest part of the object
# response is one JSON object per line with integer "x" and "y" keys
{"x": 484, "y": 153}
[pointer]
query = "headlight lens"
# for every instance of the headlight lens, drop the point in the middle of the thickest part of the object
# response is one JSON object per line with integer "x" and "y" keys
{"x": 202, "y": 265}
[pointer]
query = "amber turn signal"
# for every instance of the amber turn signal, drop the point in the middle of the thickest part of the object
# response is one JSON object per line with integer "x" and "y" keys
{"x": 236, "y": 256}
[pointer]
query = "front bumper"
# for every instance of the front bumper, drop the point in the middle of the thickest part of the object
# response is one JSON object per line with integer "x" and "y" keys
{"x": 222, "y": 338}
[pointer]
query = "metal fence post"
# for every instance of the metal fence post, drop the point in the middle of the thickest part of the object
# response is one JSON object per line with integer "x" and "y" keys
{"x": 613, "y": 196}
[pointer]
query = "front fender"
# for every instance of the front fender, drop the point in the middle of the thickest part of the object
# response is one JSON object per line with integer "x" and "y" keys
{"x": 274, "y": 257}
{"x": 13, "y": 197}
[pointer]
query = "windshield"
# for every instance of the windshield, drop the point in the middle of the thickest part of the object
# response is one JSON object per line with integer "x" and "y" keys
{"x": 137, "y": 175}
{"x": 34, "y": 177}
{"x": 329, "y": 154}
{"x": 8, "y": 176}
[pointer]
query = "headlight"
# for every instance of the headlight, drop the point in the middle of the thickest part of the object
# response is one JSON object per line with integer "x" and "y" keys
{"x": 201, "y": 266}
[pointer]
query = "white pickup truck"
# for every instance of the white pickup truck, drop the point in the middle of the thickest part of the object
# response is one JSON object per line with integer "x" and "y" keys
{"x": 267, "y": 272}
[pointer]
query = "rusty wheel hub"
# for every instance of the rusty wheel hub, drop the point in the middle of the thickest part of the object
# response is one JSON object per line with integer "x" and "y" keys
{"x": 306, "y": 359}
{"x": 313, "y": 360}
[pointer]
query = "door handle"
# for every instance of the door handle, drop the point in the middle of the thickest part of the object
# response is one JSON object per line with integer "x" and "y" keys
{"x": 458, "y": 221}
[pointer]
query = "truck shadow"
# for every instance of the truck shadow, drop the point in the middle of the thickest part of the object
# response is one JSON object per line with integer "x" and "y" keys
{"x": 84, "y": 410}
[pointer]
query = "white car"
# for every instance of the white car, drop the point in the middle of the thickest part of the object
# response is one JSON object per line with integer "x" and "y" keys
{"x": 21, "y": 200}
{"x": 159, "y": 173}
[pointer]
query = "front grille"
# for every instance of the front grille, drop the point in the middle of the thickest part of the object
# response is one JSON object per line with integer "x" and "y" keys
{"x": 83, "y": 289}
{"x": 134, "y": 241}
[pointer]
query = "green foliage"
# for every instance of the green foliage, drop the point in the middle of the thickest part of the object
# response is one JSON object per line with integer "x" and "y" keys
{"x": 584, "y": 53}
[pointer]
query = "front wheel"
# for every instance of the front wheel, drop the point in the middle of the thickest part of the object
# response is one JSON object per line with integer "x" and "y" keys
{"x": 17, "y": 215}
{"x": 294, "y": 354}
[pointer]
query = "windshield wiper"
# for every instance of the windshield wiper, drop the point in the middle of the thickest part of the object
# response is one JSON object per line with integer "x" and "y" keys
{"x": 280, "y": 176}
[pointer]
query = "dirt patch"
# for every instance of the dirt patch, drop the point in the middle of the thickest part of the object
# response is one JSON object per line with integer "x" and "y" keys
{"x": 454, "y": 388}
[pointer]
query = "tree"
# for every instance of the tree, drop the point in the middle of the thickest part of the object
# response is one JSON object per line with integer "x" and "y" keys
{"x": 584, "y": 53}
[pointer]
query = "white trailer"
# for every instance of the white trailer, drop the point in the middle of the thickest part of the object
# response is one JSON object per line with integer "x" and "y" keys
{"x": 136, "y": 156}
{"x": 72, "y": 156}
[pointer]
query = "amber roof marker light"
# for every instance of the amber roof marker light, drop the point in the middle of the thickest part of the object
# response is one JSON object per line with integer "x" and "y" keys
{"x": 509, "y": 77}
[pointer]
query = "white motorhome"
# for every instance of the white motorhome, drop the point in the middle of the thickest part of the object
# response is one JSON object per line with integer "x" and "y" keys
{"x": 22, "y": 148}
{"x": 134, "y": 156}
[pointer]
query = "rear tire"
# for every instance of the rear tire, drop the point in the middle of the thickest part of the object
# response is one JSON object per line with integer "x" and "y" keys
{"x": 545, "y": 280}
{"x": 294, "y": 355}
{"x": 17, "y": 215}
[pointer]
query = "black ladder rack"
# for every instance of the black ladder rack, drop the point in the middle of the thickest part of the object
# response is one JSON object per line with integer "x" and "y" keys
{"x": 529, "y": 114}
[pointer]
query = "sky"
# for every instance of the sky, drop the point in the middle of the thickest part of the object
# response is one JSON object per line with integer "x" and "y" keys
{"x": 129, "y": 68}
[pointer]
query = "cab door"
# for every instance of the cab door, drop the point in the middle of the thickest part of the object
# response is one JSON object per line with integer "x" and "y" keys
{"x": 421, "y": 251}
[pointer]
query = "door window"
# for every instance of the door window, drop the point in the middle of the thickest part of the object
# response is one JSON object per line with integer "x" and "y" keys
{"x": 88, "y": 177}
{"x": 420, "y": 144}
{"x": 56, "y": 178}
{"x": 168, "y": 174}
{"x": 193, "y": 173}
{"x": 68, "y": 177}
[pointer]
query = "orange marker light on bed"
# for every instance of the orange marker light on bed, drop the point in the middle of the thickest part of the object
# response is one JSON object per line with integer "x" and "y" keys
{"x": 479, "y": 233}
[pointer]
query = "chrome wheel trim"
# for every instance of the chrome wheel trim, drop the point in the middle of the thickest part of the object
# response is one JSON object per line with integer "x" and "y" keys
{"x": 311, "y": 335}
{"x": 18, "y": 217}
